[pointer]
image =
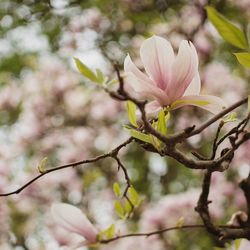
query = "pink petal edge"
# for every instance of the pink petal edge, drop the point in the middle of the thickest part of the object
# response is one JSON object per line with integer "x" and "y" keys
{"x": 157, "y": 56}
{"x": 73, "y": 220}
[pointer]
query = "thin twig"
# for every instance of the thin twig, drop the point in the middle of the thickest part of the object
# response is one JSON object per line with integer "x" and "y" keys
{"x": 217, "y": 117}
{"x": 111, "y": 154}
{"x": 203, "y": 210}
{"x": 121, "y": 166}
{"x": 157, "y": 232}
{"x": 215, "y": 144}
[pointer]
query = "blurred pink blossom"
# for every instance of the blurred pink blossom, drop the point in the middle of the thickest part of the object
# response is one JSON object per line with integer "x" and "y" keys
{"x": 218, "y": 78}
{"x": 202, "y": 42}
{"x": 244, "y": 5}
{"x": 173, "y": 81}
{"x": 190, "y": 18}
{"x": 169, "y": 209}
{"x": 10, "y": 97}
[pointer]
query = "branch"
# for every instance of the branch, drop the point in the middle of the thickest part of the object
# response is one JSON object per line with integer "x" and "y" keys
{"x": 112, "y": 154}
{"x": 191, "y": 131}
{"x": 215, "y": 142}
{"x": 245, "y": 186}
{"x": 217, "y": 117}
{"x": 162, "y": 231}
{"x": 202, "y": 206}
{"x": 121, "y": 166}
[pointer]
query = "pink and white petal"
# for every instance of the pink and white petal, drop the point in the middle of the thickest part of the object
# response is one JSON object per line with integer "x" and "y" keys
{"x": 145, "y": 90}
{"x": 129, "y": 66}
{"x": 157, "y": 56}
{"x": 184, "y": 70}
{"x": 73, "y": 220}
{"x": 152, "y": 108}
{"x": 210, "y": 103}
{"x": 132, "y": 83}
{"x": 195, "y": 86}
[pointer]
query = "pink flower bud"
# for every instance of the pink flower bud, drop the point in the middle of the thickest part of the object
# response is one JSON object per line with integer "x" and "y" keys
{"x": 73, "y": 220}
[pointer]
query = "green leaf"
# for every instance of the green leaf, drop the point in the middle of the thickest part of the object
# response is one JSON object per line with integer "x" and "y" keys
{"x": 134, "y": 196}
{"x": 131, "y": 110}
{"x": 232, "y": 117}
{"x": 108, "y": 233}
{"x": 167, "y": 117}
{"x": 113, "y": 81}
{"x": 154, "y": 141}
{"x": 139, "y": 135}
{"x": 116, "y": 189}
{"x": 243, "y": 58}
{"x": 180, "y": 222}
{"x": 127, "y": 207}
{"x": 237, "y": 244}
{"x": 119, "y": 209}
{"x": 198, "y": 102}
{"x": 99, "y": 76}
{"x": 161, "y": 124}
{"x": 226, "y": 29}
{"x": 84, "y": 70}
{"x": 42, "y": 165}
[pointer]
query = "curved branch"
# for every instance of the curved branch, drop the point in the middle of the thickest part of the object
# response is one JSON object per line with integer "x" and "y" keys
{"x": 163, "y": 231}
{"x": 217, "y": 117}
{"x": 113, "y": 153}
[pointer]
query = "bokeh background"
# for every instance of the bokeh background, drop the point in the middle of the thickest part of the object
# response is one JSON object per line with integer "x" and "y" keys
{"x": 47, "y": 109}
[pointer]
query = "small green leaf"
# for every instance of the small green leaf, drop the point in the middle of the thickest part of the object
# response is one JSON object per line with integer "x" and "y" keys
{"x": 131, "y": 110}
{"x": 198, "y": 102}
{"x": 167, "y": 117}
{"x": 99, "y": 76}
{"x": 139, "y": 135}
{"x": 113, "y": 81}
{"x": 116, "y": 189}
{"x": 127, "y": 207}
{"x": 155, "y": 142}
{"x": 226, "y": 29}
{"x": 232, "y": 117}
{"x": 107, "y": 233}
{"x": 42, "y": 165}
{"x": 243, "y": 58}
{"x": 84, "y": 70}
{"x": 180, "y": 222}
{"x": 237, "y": 244}
{"x": 134, "y": 196}
{"x": 161, "y": 124}
{"x": 119, "y": 209}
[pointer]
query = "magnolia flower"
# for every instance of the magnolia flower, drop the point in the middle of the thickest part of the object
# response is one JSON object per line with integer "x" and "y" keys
{"x": 73, "y": 220}
{"x": 170, "y": 80}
